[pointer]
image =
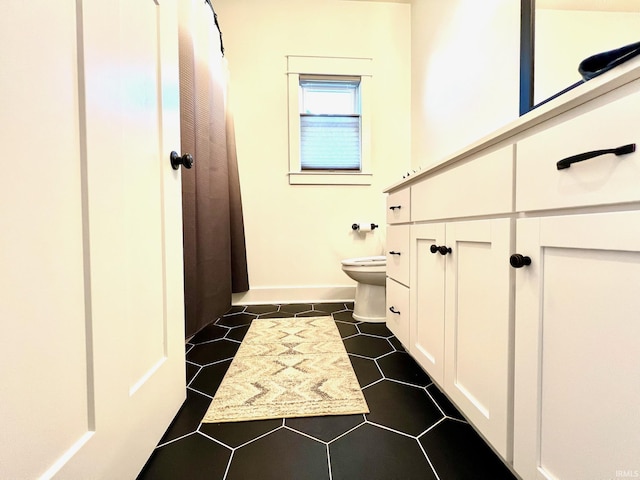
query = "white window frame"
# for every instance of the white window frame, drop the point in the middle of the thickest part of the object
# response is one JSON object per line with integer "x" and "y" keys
{"x": 330, "y": 67}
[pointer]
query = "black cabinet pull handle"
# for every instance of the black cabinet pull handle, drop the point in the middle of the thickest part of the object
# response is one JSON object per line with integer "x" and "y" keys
{"x": 177, "y": 160}
{"x": 442, "y": 249}
{"x": 566, "y": 162}
{"x": 394, "y": 253}
{"x": 393, "y": 310}
{"x": 395, "y": 206}
{"x": 518, "y": 261}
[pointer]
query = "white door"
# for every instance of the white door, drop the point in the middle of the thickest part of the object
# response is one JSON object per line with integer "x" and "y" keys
{"x": 577, "y": 387}
{"x": 92, "y": 348}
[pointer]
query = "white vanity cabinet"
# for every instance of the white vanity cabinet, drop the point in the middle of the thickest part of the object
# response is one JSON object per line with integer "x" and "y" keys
{"x": 461, "y": 318}
{"x": 529, "y": 323}
{"x": 461, "y": 324}
{"x": 577, "y": 353}
{"x": 398, "y": 264}
{"x": 577, "y": 382}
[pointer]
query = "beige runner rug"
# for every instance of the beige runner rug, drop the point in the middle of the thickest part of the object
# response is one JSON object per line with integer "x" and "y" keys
{"x": 288, "y": 367}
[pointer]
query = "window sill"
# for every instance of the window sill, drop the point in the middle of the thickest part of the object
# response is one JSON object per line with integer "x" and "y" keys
{"x": 333, "y": 178}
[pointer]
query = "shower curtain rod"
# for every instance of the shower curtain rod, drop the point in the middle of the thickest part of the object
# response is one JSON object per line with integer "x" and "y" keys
{"x": 215, "y": 19}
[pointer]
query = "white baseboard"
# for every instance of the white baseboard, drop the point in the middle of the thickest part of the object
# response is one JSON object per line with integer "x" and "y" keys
{"x": 306, "y": 294}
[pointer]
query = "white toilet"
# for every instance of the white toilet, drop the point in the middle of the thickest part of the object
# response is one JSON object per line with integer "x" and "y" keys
{"x": 370, "y": 273}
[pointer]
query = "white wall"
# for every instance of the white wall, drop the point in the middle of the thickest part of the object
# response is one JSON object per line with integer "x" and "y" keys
{"x": 296, "y": 234}
{"x": 560, "y": 49}
{"x": 465, "y": 73}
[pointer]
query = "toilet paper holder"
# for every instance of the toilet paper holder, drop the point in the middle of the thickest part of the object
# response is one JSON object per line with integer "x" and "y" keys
{"x": 356, "y": 226}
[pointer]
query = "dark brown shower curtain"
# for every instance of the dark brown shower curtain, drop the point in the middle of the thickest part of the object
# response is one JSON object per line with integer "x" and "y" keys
{"x": 214, "y": 246}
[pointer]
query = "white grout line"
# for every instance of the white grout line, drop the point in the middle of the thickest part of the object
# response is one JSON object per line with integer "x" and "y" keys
{"x": 433, "y": 469}
{"x": 226, "y": 472}
{"x": 262, "y": 436}
{"x": 434, "y": 401}
{"x": 160, "y": 445}
{"x": 291, "y": 429}
{"x": 364, "y": 420}
{"x": 214, "y": 439}
{"x": 384, "y": 427}
{"x": 421, "y": 387}
{"x": 198, "y": 391}
{"x": 432, "y": 427}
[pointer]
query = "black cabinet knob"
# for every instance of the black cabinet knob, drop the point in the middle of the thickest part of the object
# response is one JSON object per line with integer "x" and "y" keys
{"x": 518, "y": 261}
{"x": 393, "y": 310}
{"x": 398, "y": 207}
{"x": 177, "y": 160}
{"x": 392, "y": 252}
{"x": 442, "y": 249}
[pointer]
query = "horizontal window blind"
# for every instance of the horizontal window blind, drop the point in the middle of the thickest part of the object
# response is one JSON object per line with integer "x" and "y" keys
{"x": 330, "y": 124}
{"x": 330, "y": 142}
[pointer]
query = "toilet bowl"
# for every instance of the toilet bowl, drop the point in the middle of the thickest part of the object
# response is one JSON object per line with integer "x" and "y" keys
{"x": 370, "y": 273}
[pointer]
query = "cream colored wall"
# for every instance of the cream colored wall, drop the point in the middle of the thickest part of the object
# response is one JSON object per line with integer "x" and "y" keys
{"x": 465, "y": 73}
{"x": 296, "y": 235}
{"x": 559, "y": 50}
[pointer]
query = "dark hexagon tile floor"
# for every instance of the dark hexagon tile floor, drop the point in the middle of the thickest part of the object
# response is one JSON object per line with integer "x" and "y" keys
{"x": 235, "y": 434}
{"x": 326, "y": 428}
{"x": 373, "y": 453}
{"x": 412, "y": 432}
{"x": 404, "y": 408}
{"x": 400, "y": 366}
{"x": 279, "y": 455}
{"x": 212, "y": 352}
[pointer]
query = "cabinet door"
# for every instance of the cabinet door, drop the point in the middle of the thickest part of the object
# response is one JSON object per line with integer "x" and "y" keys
{"x": 577, "y": 383}
{"x": 398, "y": 254}
{"x": 478, "y": 326}
{"x": 398, "y": 311}
{"x": 427, "y": 299}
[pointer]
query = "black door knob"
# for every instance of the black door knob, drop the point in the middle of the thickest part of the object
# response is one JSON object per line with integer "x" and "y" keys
{"x": 518, "y": 261}
{"x": 442, "y": 249}
{"x": 177, "y": 160}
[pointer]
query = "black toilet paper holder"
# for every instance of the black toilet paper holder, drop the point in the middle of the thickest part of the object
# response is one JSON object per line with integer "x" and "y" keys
{"x": 356, "y": 226}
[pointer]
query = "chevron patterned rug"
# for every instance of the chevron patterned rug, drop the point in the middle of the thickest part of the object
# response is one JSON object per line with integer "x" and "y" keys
{"x": 288, "y": 367}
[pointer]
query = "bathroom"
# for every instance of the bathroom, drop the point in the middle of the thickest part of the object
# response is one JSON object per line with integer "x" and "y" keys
{"x": 429, "y": 97}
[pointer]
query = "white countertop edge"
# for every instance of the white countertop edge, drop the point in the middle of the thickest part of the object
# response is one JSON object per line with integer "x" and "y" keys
{"x": 595, "y": 87}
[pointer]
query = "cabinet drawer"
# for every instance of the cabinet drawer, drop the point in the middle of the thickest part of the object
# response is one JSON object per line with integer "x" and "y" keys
{"x": 601, "y": 180}
{"x": 481, "y": 186}
{"x": 398, "y": 258}
{"x": 398, "y": 206}
{"x": 398, "y": 311}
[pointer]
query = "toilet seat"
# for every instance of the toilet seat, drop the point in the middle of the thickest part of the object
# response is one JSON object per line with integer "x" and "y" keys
{"x": 375, "y": 261}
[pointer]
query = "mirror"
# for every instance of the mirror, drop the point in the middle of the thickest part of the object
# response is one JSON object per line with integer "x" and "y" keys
{"x": 558, "y": 34}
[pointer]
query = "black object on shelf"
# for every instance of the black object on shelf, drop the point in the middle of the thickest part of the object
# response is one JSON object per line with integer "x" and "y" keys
{"x": 603, "y": 62}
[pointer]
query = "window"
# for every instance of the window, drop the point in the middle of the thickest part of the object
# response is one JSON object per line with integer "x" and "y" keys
{"x": 329, "y": 122}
